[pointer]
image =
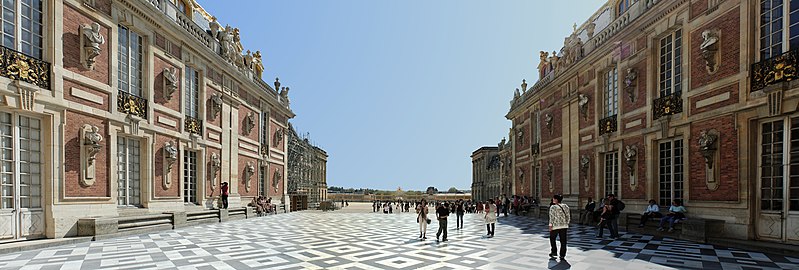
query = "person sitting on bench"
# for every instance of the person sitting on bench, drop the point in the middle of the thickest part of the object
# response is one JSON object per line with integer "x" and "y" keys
{"x": 653, "y": 210}
{"x": 676, "y": 213}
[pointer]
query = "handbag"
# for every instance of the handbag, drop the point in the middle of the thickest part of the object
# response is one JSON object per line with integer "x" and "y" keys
{"x": 428, "y": 221}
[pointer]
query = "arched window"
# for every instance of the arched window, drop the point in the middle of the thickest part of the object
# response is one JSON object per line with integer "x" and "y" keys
{"x": 622, "y": 6}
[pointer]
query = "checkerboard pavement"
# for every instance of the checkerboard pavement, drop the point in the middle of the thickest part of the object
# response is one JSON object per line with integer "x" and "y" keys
{"x": 335, "y": 240}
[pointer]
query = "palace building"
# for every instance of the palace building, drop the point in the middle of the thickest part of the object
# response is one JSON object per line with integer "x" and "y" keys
{"x": 123, "y": 108}
{"x": 307, "y": 172}
{"x": 486, "y": 173}
{"x": 670, "y": 100}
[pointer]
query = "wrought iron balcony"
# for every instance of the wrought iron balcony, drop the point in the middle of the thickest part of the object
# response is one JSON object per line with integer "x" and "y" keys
{"x": 132, "y": 104}
{"x": 608, "y": 125}
{"x": 18, "y": 66}
{"x": 780, "y": 68}
{"x": 667, "y": 105}
{"x": 535, "y": 148}
{"x": 193, "y": 125}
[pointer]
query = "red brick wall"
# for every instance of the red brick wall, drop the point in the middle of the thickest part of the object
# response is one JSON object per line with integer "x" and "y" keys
{"x": 103, "y": 6}
{"x": 177, "y": 127}
{"x": 209, "y": 189}
{"x": 557, "y": 123}
{"x": 640, "y": 88}
{"x": 729, "y": 49}
{"x": 270, "y": 176}
{"x": 624, "y": 122}
{"x": 209, "y": 119}
{"x": 243, "y": 110}
{"x": 732, "y": 89}
{"x": 71, "y": 40}
{"x": 73, "y": 140}
{"x": 160, "y": 172}
{"x": 253, "y": 179}
{"x": 591, "y": 177}
{"x": 68, "y": 85}
{"x": 273, "y": 129}
{"x": 698, "y": 8}
{"x": 591, "y": 108}
{"x": 557, "y": 178}
{"x": 158, "y": 73}
{"x": 727, "y": 161}
{"x": 640, "y": 171}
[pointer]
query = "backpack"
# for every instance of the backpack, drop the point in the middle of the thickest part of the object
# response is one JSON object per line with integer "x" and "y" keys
{"x": 620, "y": 205}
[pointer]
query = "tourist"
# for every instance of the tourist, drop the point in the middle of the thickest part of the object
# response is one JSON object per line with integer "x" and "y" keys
{"x": 604, "y": 216}
{"x": 676, "y": 213}
{"x": 589, "y": 210}
{"x": 559, "y": 218}
{"x": 505, "y": 206}
{"x": 479, "y": 207}
{"x": 616, "y": 206}
{"x": 599, "y": 209}
{"x": 421, "y": 218}
{"x": 459, "y": 211}
{"x": 653, "y": 210}
{"x": 390, "y": 208}
{"x": 224, "y": 187}
{"x": 490, "y": 217}
{"x": 498, "y": 204}
{"x": 385, "y": 208}
{"x": 442, "y": 212}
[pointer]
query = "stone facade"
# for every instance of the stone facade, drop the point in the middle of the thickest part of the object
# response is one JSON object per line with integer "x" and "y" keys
{"x": 307, "y": 169}
{"x": 486, "y": 173}
{"x": 177, "y": 106}
{"x": 707, "y": 104}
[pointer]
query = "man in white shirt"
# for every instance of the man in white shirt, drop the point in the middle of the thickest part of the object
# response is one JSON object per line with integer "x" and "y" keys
{"x": 559, "y": 219}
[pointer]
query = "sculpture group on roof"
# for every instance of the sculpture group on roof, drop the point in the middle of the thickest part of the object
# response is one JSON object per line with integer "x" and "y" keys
{"x": 231, "y": 49}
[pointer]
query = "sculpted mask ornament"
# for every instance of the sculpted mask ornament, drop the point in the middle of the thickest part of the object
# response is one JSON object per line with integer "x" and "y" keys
{"x": 91, "y": 40}
{"x": 629, "y": 83}
{"x": 249, "y": 171}
{"x": 216, "y": 105}
{"x": 630, "y": 157}
{"x": 582, "y": 103}
{"x": 710, "y": 48}
{"x": 90, "y": 147}
{"x": 170, "y": 82}
{"x": 249, "y": 123}
{"x": 548, "y": 122}
{"x": 707, "y": 145}
{"x": 585, "y": 161}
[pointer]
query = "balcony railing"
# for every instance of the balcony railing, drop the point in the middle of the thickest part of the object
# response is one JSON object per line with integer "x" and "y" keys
{"x": 780, "y": 68}
{"x": 608, "y": 125}
{"x": 132, "y": 104}
{"x": 535, "y": 148}
{"x": 193, "y": 125}
{"x": 667, "y": 105}
{"x": 18, "y": 66}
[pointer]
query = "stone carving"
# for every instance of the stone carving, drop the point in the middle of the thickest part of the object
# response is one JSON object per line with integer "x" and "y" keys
{"x": 264, "y": 151}
{"x": 27, "y": 96}
{"x": 277, "y": 84}
{"x": 249, "y": 123}
{"x": 572, "y": 49}
{"x": 216, "y": 165}
{"x": 278, "y": 137}
{"x": 554, "y": 61}
{"x": 585, "y": 161}
{"x": 590, "y": 28}
{"x": 214, "y": 27}
{"x": 520, "y": 172}
{"x": 170, "y": 157}
{"x": 501, "y": 144}
{"x": 249, "y": 171}
{"x": 170, "y": 82}
{"x": 524, "y": 85}
{"x": 582, "y": 103}
{"x": 257, "y": 64}
{"x": 284, "y": 96}
{"x": 520, "y": 135}
{"x": 516, "y": 94}
{"x": 549, "y": 171}
{"x": 544, "y": 66}
{"x": 277, "y": 177}
{"x": 91, "y": 41}
{"x": 631, "y": 157}
{"x": 248, "y": 58}
{"x": 548, "y": 122}
{"x": 630, "y": 82}
{"x": 216, "y": 105}
{"x": 707, "y": 145}
{"x": 710, "y": 48}
{"x": 91, "y": 138}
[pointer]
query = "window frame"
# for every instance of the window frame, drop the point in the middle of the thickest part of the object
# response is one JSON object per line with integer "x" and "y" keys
{"x": 18, "y": 29}
{"x": 785, "y": 36}
{"x": 16, "y": 162}
{"x": 675, "y": 169}
{"x": 610, "y": 92}
{"x": 127, "y": 144}
{"x": 128, "y": 66}
{"x": 619, "y": 10}
{"x": 614, "y": 176}
{"x": 670, "y": 72}
{"x": 192, "y": 92}
{"x": 190, "y": 172}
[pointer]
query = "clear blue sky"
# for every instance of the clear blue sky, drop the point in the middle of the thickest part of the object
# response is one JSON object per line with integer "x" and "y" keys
{"x": 399, "y": 93}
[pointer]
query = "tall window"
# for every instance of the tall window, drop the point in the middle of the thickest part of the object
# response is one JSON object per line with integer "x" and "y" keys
{"x": 192, "y": 92}
{"x": 670, "y": 165}
{"x": 779, "y": 181}
{"x": 622, "y": 6}
{"x": 612, "y": 173}
{"x": 20, "y": 162}
{"x": 128, "y": 171}
{"x": 190, "y": 177}
{"x": 22, "y": 26}
{"x": 130, "y": 62}
{"x": 775, "y": 16}
{"x": 670, "y": 80}
{"x": 612, "y": 92}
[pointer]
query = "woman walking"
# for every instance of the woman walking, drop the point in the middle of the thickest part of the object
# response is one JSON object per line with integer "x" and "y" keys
{"x": 421, "y": 218}
{"x": 490, "y": 217}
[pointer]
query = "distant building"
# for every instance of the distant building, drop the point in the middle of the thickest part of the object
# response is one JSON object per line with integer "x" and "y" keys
{"x": 486, "y": 173}
{"x": 307, "y": 172}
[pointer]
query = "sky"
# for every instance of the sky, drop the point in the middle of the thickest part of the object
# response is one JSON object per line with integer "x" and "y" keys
{"x": 400, "y": 93}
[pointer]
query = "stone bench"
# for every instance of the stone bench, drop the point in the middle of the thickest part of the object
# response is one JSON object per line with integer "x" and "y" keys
{"x": 694, "y": 229}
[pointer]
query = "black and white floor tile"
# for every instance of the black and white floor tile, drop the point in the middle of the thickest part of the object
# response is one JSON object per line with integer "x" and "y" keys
{"x": 334, "y": 240}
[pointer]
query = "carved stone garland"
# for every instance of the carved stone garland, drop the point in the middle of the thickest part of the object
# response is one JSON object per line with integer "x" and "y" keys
{"x": 91, "y": 138}
{"x": 170, "y": 157}
{"x": 170, "y": 82}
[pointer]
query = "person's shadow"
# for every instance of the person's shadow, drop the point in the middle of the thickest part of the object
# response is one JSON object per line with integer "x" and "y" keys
{"x": 559, "y": 265}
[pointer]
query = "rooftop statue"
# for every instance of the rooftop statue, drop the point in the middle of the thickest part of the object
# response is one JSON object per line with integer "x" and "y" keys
{"x": 258, "y": 64}
{"x": 214, "y": 27}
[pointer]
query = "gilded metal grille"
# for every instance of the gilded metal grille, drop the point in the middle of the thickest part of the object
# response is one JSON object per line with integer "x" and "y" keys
{"x": 132, "y": 104}
{"x": 608, "y": 125}
{"x": 667, "y": 105}
{"x": 18, "y": 66}
{"x": 780, "y": 68}
{"x": 193, "y": 125}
